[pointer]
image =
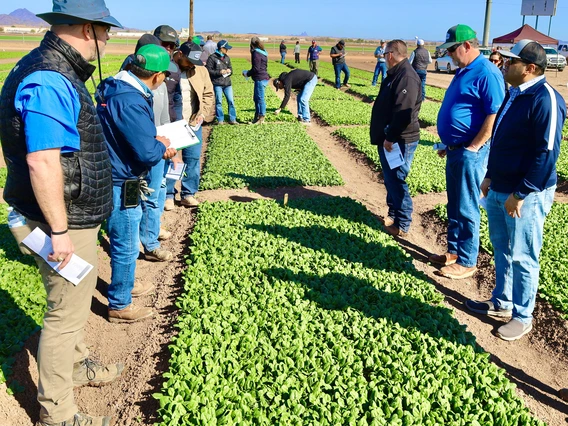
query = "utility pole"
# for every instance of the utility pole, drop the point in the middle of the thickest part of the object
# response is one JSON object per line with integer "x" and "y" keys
{"x": 487, "y": 23}
{"x": 191, "y": 29}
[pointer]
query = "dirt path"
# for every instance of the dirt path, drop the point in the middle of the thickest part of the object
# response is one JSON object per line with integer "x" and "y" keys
{"x": 537, "y": 364}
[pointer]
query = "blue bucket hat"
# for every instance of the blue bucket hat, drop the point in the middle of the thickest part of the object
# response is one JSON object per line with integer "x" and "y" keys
{"x": 79, "y": 12}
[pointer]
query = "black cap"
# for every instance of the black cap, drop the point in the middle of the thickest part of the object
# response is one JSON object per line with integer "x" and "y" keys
{"x": 279, "y": 79}
{"x": 166, "y": 34}
{"x": 529, "y": 51}
{"x": 193, "y": 52}
{"x": 147, "y": 39}
{"x": 342, "y": 42}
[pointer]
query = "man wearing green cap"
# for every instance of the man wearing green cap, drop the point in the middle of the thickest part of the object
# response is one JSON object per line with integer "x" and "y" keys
{"x": 465, "y": 121}
{"x": 124, "y": 106}
{"x": 59, "y": 180}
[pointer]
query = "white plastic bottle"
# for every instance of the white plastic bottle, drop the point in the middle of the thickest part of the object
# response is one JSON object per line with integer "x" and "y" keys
{"x": 15, "y": 219}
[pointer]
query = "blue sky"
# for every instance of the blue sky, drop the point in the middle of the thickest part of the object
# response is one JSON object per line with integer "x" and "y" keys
{"x": 363, "y": 18}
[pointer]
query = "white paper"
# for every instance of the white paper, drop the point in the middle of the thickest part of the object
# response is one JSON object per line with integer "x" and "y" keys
{"x": 175, "y": 171}
{"x": 394, "y": 158}
{"x": 74, "y": 271}
{"x": 228, "y": 74}
{"x": 179, "y": 133}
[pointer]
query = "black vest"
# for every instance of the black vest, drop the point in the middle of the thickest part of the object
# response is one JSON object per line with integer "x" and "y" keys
{"x": 421, "y": 57}
{"x": 86, "y": 173}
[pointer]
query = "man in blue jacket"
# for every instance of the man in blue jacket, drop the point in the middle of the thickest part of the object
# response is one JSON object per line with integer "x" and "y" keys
{"x": 124, "y": 105}
{"x": 520, "y": 184}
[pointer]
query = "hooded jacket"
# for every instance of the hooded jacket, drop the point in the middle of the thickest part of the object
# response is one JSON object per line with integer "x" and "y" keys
{"x": 215, "y": 64}
{"x": 126, "y": 114}
{"x": 259, "y": 70}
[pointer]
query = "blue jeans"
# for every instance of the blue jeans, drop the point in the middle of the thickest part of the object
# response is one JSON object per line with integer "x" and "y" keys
{"x": 191, "y": 156}
{"x": 258, "y": 97}
{"x": 303, "y": 98}
{"x": 381, "y": 68}
{"x": 464, "y": 172}
{"x": 228, "y": 91}
{"x": 123, "y": 231}
{"x": 516, "y": 244}
{"x": 282, "y": 57}
{"x": 338, "y": 68}
{"x": 152, "y": 208}
{"x": 398, "y": 197}
{"x": 422, "y": 75}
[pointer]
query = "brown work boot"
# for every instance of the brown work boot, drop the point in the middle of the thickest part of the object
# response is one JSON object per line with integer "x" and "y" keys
{"x": 169, "y": 205}
{"x": 457, "y": 271}
{"x": 388, "y": 221}
{"x": 141, "y": 289}
{"x": 131, "y": 313}
{"x": 395, "y": 232}
{"x": 159, "y": 254}
{"x": 80, "y": 419}
{"x": 445, "y": 259}
{"x": 164, "y": 234}
{"x": 189, "y": 201}
{"x": 93, "y": 373}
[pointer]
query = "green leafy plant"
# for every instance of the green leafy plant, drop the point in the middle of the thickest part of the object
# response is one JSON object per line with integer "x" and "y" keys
{"x": 335, "y": 113}
{"x": 429, "y": 113}
{"x": 270, "y": 155}
{"x": 310, "y": 314}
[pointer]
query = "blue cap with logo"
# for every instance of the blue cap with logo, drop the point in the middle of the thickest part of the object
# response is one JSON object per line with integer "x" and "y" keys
{"x": 225, "y": 44}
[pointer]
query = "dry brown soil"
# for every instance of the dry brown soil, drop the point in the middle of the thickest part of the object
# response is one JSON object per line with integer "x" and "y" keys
{"x": 536, "y": 363}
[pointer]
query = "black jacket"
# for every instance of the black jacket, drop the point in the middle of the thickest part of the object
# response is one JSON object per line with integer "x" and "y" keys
{"x": 216, "y": 63}
{"x": 259, "y": 70}
{"x": 395, "y": 112}
{"x": 282, "y": 47}
{"x": 86, "y": 173}
{"x": 296, "y": 80}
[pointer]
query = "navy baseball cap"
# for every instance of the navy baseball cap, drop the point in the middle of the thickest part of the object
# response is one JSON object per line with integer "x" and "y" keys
{"x": 225, "y": 44}
{"x": 529, "y": 51}
{"x": 193, "y": 52}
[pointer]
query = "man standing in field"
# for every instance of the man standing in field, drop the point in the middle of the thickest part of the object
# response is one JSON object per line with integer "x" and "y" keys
{"x": 520, "y": 184}
{"x": 282, "y": 52}
{"x": 420, "y": 59}
{"x": 381, "y": 66}
{"x": 59, "y": 180}
{"x": 304, "y": 82}
{"x": 313, "y": 57}
{"x": 208, "y": 49}
{"x": 337, "y": 55}
{"x": 394, "y": 124}
{"x": 465, "y": 121}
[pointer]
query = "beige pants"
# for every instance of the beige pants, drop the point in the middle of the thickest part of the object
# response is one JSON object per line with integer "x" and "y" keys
{"x": 68, "y": 306}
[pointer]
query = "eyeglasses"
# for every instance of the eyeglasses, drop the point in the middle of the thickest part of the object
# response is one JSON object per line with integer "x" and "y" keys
{"x": 387, "y": 51}
{"x": 513, "y": 61}
{"x": 495, "y": 61}
{"x": 453, "y": 48}
{"x": 105, "y": 27}
{"x": 169, "y": 44}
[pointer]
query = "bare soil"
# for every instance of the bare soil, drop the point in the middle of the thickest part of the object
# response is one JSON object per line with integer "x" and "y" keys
{"x": 536, "y": 363}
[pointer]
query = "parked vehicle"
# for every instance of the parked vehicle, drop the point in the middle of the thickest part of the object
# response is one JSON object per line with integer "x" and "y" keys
{"x": 485, "y": 52}
{"x": 563, "y": 48}
{"x": 445, "y": 63}
{"x": 554, "y": 59}
{"x": 438, "y": 53}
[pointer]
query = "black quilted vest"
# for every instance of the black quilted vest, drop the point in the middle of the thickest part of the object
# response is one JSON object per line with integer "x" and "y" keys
{"x": 86, "y": 173}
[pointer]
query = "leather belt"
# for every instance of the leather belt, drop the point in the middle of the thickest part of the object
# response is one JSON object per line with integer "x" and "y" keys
{"x": 458, "y": 146}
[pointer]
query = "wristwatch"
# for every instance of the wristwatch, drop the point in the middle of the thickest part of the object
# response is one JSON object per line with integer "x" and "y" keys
{"x": 517, "y": 196}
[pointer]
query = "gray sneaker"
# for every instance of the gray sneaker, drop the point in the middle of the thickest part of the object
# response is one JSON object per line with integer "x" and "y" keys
{"x": 93, "y": 373}
{"x": 80, "y": 419}
{"x": 487, "y": 308}
{"x": 513, "y": 330}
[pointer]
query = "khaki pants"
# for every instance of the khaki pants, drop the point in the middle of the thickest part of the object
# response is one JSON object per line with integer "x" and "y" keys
{"x": 68, "y": 306}
{"x": 314, "y": 66}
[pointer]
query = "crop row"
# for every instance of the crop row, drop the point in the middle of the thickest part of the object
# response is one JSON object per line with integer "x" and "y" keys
{"x": 310, "y": 314}
{"x": 427, "y": 173}
{"x": 553, "y": 260}
{"x": 271, "y": 155}
{"x": 341, "y": 113}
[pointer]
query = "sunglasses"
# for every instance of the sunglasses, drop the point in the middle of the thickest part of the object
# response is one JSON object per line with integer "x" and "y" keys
{"x": 453, "y": 48}
{"x": 513, "y": 61}
{"x": 495, "y": 61}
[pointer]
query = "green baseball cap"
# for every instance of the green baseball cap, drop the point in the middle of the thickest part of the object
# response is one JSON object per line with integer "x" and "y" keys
{"x": 458, "y": 34}
{"x": 153, "y": 58}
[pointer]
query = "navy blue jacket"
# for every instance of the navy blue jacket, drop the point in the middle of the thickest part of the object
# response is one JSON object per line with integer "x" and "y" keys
{"x": 128, "y": 123}
{"x": 526, "y": 142}
{"x": 259, "y": 70}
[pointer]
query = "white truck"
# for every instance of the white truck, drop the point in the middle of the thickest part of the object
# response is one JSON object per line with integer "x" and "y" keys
{"x": 563, "y": 48}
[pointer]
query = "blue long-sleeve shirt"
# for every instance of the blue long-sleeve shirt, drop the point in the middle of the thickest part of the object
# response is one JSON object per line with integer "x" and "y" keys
{"x": 128, "y": 122}
{"x": 526, "y": 141}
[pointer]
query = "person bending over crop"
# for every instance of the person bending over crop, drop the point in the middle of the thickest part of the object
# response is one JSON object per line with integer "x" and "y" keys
{"x": 519, "y": 185}
{"x": 394, "y": 125}
{"x": 302, "y": 81}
